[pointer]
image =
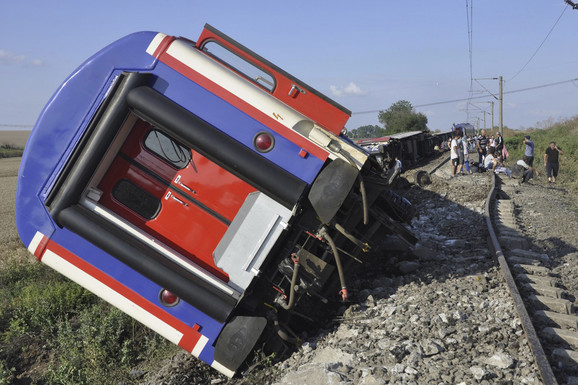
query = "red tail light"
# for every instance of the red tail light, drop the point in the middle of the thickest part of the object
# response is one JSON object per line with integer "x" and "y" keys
{"x": 263, "y": 142}
{"x": 167, "y": 298}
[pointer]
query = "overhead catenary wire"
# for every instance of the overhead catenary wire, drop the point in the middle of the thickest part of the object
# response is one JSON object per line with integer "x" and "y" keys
{"x": 541, "y": 44}
{"x": 477, "y": 97}
{"x": 470, "y": 22}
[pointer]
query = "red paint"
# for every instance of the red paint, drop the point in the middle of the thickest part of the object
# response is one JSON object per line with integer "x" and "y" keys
{"x": 242, "y": 105}
{"x": 193, "y": 230}
{"x": 309, "y": 104}
{"x": 41, "y": 247}
{"x": 163, "y": 45}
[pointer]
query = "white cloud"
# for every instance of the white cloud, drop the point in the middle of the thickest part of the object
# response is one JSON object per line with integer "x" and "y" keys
{"x": 350, "y": 89}
{"x": 36, "y": 63}
{"x": 9, "y": 58}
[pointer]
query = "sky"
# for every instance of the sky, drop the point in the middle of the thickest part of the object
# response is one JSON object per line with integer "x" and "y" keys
{"x": 444, "y": 57}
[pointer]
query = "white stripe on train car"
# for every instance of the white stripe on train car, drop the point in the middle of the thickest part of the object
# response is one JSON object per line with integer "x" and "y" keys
{"x": 160, "y": 247}
{"x": 220, "y": 368}
{"x": 155, "y": 43}
{"x": 35, "y": 242}
{"x": 102, "y": 290}
{"x": 233, "y": 83}
{"x": 201, "y": 343}
{"x": 256, "y": 97}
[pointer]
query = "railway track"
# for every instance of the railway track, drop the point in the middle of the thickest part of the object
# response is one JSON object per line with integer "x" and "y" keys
{"x": 545, "y": 308}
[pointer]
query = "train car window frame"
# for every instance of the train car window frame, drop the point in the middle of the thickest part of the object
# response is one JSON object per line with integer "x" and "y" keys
{"x": 183, "y": 155}
{"x": 240, "y": 65}
{"x": 144, "y": 204}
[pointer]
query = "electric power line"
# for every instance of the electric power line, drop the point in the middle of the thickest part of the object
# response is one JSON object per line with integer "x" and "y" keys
{"x": 477, "y": 97}
{"x": 470, "y": 22}
{"x": 541, "y": 44}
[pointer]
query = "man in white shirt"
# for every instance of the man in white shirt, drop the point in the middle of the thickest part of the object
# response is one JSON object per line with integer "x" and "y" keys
{"x": 454, "y": 155}
{"x": 490, "y": 161}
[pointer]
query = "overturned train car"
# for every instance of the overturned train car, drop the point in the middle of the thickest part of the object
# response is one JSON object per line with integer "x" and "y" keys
{"x": 203, "y": 191}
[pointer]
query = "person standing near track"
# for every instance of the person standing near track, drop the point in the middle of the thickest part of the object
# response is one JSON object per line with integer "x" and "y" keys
{"x": 499, "y": 143}
{"x": 481, "y": 145}
{"x": 529, "y": 151}
{"x": 466, "y": 153}
{"x": 454, "y": 154}
{"x": 551, "y": 161}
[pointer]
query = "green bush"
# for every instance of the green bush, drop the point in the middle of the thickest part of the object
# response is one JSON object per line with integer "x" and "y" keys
{"x": 8, "y": 150}
{"x": 101, "y": 346}
{"x": 43, "y": 314}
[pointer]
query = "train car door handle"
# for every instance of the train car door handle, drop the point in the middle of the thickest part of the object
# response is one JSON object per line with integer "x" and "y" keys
{"x": 178, "y": 181}
{"x": 170, "y": 195}
{"x": 295, "y": 88}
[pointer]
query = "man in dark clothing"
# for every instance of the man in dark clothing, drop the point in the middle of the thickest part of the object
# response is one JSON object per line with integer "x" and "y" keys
{"x": 499, "y": 143}
{"x": 551, "y": 161}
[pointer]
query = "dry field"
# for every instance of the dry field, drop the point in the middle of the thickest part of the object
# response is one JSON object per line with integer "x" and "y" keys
{"x": 11, "y": 247}
{"x": 15, "y": 137}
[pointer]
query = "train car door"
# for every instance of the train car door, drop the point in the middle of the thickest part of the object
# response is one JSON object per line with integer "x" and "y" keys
{"x": 173, "y": 193}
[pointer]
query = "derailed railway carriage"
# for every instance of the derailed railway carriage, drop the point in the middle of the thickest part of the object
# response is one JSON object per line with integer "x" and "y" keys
{"x": 203, "y": 191}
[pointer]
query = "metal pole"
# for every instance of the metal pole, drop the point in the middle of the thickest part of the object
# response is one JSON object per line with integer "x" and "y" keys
{"x": 501, "y": 107}
{"x": 493, "y": 114}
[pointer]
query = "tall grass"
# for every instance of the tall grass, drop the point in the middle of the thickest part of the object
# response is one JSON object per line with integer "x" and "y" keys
{"x": 58, "y": 333}
{"x": 9, "y": 150}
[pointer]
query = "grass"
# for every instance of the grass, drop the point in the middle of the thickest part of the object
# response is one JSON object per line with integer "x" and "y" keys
{"x": 52, "y": 331}
{"x": 58, "y": 333}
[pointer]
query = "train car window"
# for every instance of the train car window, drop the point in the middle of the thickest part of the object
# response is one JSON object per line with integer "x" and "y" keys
{"x": 242, "y": 66}
{"x": 136, "y": 199}
{"x": 167, "y": 149}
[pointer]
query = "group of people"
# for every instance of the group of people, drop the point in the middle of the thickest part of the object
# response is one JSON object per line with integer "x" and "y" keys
{"x": 551, "y": 161}
{"x": 492, "y": 153}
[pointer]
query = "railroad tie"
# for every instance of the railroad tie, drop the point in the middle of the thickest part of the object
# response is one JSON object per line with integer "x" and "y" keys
{"x": 561, "y": 335}
{"x": 560, "y": 320}
{"x": 559, "y": 305}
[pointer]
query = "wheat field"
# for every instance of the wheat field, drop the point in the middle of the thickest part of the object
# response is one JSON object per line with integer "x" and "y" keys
{"x": 11, "y": 247}
{"x": 14, "y": 137}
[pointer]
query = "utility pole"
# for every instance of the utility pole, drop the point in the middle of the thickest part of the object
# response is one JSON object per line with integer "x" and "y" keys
{"x": 492, "y": 113}
{"x": 501, "y": 107}
{"x": 572, "y": 4}
{"x": 492, "y": 102}
{"x": 500, "y": 98}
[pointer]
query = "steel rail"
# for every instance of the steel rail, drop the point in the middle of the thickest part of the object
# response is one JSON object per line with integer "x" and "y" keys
{"x": 539, "y": 355}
